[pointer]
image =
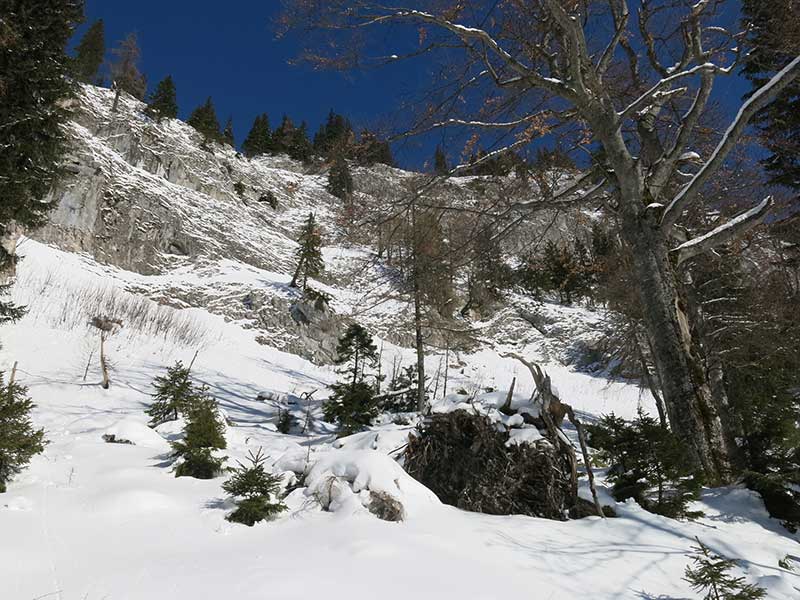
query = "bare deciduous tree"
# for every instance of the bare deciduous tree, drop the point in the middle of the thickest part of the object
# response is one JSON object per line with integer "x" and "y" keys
{"x": 630, "y": 91}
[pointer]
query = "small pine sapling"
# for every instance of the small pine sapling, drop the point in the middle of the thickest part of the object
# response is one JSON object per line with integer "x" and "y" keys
{"x": 19, "y": 441}
{"x": 353, "y": 404}
{"x": 285, "y": 421}
{"x": 710, "y": 576}
{"x": 204, "y": 432}
{"x": 255, "y": 488}
{"x": 174, "y": 393}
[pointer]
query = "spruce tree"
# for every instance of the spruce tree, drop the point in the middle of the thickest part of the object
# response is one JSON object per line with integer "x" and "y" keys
{"x": 125, "y": 70}
{"x": 174, "y": 393}
{"x": 334, "y": 136}
{"x": 255, "y": 488}
{"x": 299, "y": 146}
{"x": 259, "y": 140}
{"x": 89, "y": 54}
{"x": 308, "y": 253}
{"x": 352, "y": 403}
{"x": 773, "y": 34}
{"x": 204, "y": 432}
{"x": 440, "y": 162}
{"x": 227, "y": 133}
{"x": 9, "y": 312}
{"x": 204, "y": 120}
{"x": 283, "y": 136}
{"x": 19, "y": 441}
{"x": 710, "y": 576}
{"x": 340, "y": 181}
{"x": 34, "y": 80}
{"x": 163, "y": 102}
{"x": 649, "y": 464}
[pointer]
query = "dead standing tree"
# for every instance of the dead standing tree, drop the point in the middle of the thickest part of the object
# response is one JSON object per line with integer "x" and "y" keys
{"x": 632, "y": 97}
{"x": 106, "y": 326}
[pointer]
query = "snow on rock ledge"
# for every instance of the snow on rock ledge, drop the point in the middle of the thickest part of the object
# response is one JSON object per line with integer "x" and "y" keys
{"x": 358, "y": 481}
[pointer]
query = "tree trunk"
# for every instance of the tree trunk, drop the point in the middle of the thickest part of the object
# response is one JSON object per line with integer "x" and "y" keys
{"x": 103, "y": 367}
{"x": 116, "y": 98}
{"x": 296, "y": 274}
{"x": 419, "y": 347}
{"x": 686, "y": 394}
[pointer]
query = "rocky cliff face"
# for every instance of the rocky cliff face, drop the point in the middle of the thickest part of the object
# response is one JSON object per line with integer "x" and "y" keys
{"x": 152, "y": 198}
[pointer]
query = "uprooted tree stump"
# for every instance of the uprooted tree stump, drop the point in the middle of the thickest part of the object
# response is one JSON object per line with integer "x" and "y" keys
{"x": 465, "y": 460}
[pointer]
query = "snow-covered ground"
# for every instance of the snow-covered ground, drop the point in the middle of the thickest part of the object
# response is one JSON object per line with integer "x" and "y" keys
{"x": 92, "y": 520}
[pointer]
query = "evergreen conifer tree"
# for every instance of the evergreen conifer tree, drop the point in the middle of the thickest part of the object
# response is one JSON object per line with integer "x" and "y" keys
{"x": 174, "y": 393}
{"x": 334, "y": 136}
{"x": 299, "y": 146}
{"x": 259, "y": 140}
{"x": 283, "y": 136}
{"x": 163, "y": 101}
{"x": 440, "y": 162}
{"x": 371, "y": 150}
{"x": 227, "y": 133}
{"x": 204, "y": 432}
{"x": 33, "y": 82}
{"x": 255, "y": 488}
{"x": 89, "y": 53}
{"x": 204, "y": 120}
{"x": 125, "y": 70}
{"x": 773, "y": 34}
{"x": 340, "y": 181}
{"x": 710, "y": 576}
{"x": 9, "y": 312}
{"x": 488, "y": 272}
{"x": 19, "y": 441}
{"x": 308, "y": 253}
{"x": 649, "y": 464}
{"x": 353, "y": 404}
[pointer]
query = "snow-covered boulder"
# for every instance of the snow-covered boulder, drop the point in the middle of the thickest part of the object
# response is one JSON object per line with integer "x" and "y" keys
{"x": 359, "y": 481}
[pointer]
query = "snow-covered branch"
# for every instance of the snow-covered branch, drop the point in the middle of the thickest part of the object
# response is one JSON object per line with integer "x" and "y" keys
{"x": 753, "y": 104}
{"x": 724, "y": 233}
{"x": 656, "y": 90}
{"x": 475, "y": 34}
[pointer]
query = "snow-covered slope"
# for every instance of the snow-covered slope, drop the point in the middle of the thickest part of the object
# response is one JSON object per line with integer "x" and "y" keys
{"x": 90, "y": 519}
{"x": 150, "y": 229}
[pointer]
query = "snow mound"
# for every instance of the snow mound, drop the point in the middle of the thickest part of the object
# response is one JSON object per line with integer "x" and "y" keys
{"x": 137, "y": 433}
{"x": 391, "y": 439}
{"x": 348, "y": 482}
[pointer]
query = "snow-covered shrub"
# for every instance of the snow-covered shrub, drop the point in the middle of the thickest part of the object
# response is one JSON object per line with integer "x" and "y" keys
{"x": 468, "y": 462}
{"x": 360, "y": 481}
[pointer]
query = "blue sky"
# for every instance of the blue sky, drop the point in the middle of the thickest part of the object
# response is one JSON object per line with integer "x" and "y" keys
{"x": 229, "y": 51}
